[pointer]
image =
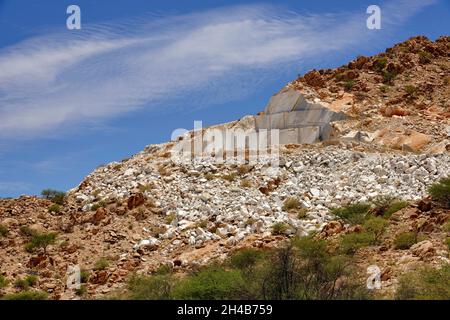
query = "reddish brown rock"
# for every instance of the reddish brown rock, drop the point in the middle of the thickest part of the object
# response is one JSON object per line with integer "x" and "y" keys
{"x": 135, "y": 201}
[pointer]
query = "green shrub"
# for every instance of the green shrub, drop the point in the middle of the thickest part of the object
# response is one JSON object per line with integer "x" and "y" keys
{"x": 440, "y": 191}
{"x": 56, "y": 208}
{"x": 229, "y": 177}
{"x": 244, "y": 169}
{"x": 98, "y": 205}
{"x": 55, "y": 196}
{"x": 26, "y": 231}
{"x": 158, "y": 287}
{"x": 84, "y": 275}
{"x": 291, "y": 203}
{"x": 380, "y": 63}
{"x": 25, "y": 284}
{"x": 446, "y": 227}
{"x": 389, "y": 76}
{"x": 425, "y": 284}
{"x": 209, "y": 176}
{"x": 279, "y": 228}
{"x": 302, "y": 213}
{"x": 405, "y": 240}
{"x": 351, "y": 242}
{"x": 410, "y": 90}
{"x": 40, "y": 241}
{"x": 376, "y": 226}
{"x": 245, "y": 183}
{"x": 394, "y": 207}
{"x": 101, "y": 264}
{"x": 3, "y": 231}
{"x": 349, "y": 84}
{"x": 447, "y": 242}
{"x": 245, "y": 259}
{"x": 353, "y": 213}
{"x": 26, "y": 295}
{"x": 212, "y": 283}
{"x": 81, "y": 291}
{"x": 3, "y": 281}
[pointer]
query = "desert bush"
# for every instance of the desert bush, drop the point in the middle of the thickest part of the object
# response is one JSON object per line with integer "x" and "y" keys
{"x": 387, "y": 205}
{"x": 425, "y": 284}
{"x": 56, "y": 208}
{"x": 302, "y": 213}
{"x": 245, "y": 259}
{"x": 3, "y": 231}
{"x": 389, "y": 76}
{"x": 26, "y": 295}
{"x": 279, "y": 228}
{"x": 351, "y": 242}
{"x": 157, "y": 287}
{"x": 446, "y": 227}
{"x": 243, "y": 169}
{"x": 353, "y": 213}
{"x": 291, "y": 203}
{"x": 211, "y": 283}
{"x": 26, "y": 231}
{"x": 26, "y": 283}
{"x": 349, "y": 84}
{"x": 98, "y": 205}
{"x": 405, "y": 240}
{"x": 380, "y": 63}
{"x": 40, "y": 241}
{"x": 245, "y": 183}
{"x": 101, "y": 264}
{"x": 81, "y": 291}
{"x": 376, "y": 226}
{"x": 229, "y": 177}
{"x": 55, "y": 196}
{"x": 209, "y": 176}
{"x": 447, "y": 242}
{"x": 3, "y": 281}
{"x": 84, "y": 275}
{"x": 440, "y": 191}
{"x": 410, "y": 90}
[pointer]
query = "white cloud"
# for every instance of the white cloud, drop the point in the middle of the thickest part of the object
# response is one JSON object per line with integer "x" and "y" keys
{"x": 102, "y": 71}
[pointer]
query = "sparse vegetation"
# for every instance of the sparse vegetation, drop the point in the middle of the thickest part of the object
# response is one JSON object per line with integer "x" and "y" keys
{"x": 101, "y": 264}
{"x": 386, "y": 206}
{"x": 209, "y": 176}
{"x": 410, "y": 90}
{"x": 55, "y": 196}
{"x": 389, "y": 76}
{"x": 54, "y": 208}
{"x": 405, "y": 240}
{"x": 353, "y": 213}
{"x": 380, "y": 63}
{"x": 98, "y": 205}
{"x": 229, "y": 177}
{"x": 26, "y": 283}
{"x": 302, "y": 213}
{"x": 291, "y": 203}
{"x": 351, "y": 242}
{"x": 3, "y": 281}
{"x": 245, "y": 183}
{"x": 279, "y": 228}
{"x": 40, "y": 241}
{"x": 349, "y": 84}
{"x": 376, "y": 226}
{"x": 425, "y": 284}
{"x": 243, "y": 169}
{"x": 440, "y": 191}
{"x": 3, "y": 231}
{"x": 26, "y": 295}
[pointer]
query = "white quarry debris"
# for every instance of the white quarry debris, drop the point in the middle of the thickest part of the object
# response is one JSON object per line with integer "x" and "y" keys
{"x": 320, "y": 178}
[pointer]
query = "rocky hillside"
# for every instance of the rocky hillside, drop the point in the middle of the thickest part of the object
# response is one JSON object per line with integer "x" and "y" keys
{"x": 398, "y": 98}
{"x": 153, "y": 210}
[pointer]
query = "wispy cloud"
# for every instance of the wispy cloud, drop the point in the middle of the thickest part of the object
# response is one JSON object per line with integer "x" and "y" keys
{"x": 105, "y": 70}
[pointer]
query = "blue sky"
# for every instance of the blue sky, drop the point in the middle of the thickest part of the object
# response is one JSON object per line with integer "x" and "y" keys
{"x": 137, "y": 70}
